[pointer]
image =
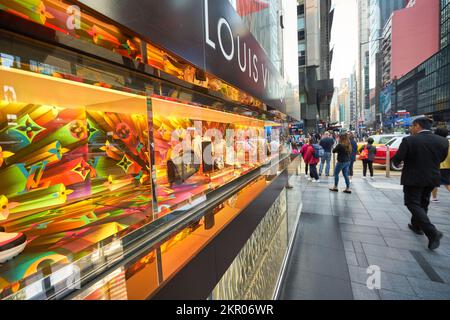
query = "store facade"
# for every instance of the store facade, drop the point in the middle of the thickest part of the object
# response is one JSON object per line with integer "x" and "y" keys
{"x": 134, "y": 141}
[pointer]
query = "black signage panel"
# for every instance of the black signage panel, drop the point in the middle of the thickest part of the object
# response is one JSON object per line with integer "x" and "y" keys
{"x": 209, "y": 34}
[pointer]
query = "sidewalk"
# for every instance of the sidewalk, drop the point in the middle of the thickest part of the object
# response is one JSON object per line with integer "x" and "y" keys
{"x": 340, "y": 235}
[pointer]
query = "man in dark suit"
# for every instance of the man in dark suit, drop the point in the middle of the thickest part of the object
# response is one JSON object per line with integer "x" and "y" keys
{"x": 422, "y": 154}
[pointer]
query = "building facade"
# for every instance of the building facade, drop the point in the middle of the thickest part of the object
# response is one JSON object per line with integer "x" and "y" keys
{"x": 363, "y": 99}
{"x": 334, "y": 108}
{"x": 416, "y": 24}
{"x": 344, "y": 103}
{"x": 379, "y": 13}
{"x": 315, "y": 20}
{"x": 353, "y": 90}
{"x": 445, "y": 23}
{"x": 425, "y": 90}
{"x": 109, "y": 113}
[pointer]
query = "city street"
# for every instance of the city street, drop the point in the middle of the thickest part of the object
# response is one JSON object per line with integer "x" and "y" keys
{"x": 339, "y": 236}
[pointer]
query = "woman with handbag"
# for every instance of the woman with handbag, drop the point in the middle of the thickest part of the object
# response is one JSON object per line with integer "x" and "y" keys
{"x": 344, "y": 151}
{"x": 367, "y": 155}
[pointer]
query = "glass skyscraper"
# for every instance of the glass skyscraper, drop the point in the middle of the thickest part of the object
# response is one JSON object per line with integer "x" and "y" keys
{"x": 379, "y": 14}
{"x": 426, "y": 89}
{"x": 445, "y": 23}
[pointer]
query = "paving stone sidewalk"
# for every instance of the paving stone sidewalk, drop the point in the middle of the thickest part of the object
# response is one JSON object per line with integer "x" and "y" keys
{"x": 373, "y": 226}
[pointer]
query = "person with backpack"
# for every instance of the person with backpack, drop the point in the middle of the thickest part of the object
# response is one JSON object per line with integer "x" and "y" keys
{"x": 312, "y": 158}
{"x": 367, "y": 155}
{"x": 344, "y": 151}
{"x": 303, "y": 153}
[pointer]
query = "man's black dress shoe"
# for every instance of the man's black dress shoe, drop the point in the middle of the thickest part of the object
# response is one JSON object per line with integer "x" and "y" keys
{"x": 415, "y": 230}
{"x": 436, "y": 241}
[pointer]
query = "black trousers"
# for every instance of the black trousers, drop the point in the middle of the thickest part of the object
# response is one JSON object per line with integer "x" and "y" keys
{"x": 351, "y": 168}
{"x": 417, "y": 200}
{"x": 306, "y": 168}
{"x": 367, "y": 163}
{"x": 313, "y": 171}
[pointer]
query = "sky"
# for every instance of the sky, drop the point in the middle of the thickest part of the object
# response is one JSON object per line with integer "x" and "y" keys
{"x": 344, "y": 38}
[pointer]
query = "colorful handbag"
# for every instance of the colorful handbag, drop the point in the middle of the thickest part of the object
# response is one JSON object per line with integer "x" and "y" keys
{"x": 364, "y": 154}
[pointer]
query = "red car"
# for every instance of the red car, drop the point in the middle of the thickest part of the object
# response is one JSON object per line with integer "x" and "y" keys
{"x": 380, "y": 156}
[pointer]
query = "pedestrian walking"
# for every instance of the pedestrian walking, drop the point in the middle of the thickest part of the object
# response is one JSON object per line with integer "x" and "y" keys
{"x": 353, "y": 155}
{"x": 327, "y": 144}
{"x": 344, "y": 151}
{"x": 303, "y": 153}
{"x": 312, "y": 158}
{"x": 317, "y": 137}
{"x": 367, "y": 155}
{"x": 422, "y": 154}
{"x": 445, "y": 167}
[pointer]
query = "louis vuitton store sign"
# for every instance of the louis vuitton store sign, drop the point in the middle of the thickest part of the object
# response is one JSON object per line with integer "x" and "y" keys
{"x": 209, "y": 34}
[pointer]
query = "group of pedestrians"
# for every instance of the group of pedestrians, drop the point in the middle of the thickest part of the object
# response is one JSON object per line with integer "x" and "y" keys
{"x": 426, "y": 167}
{"x": 319, "y": 150}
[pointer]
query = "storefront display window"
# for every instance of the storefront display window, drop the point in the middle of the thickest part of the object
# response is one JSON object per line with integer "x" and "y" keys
{"x": 75, "y": 159}
{"x": 76, "y": 155}
{"x": 140, "y": 278}
{"x": 198, "y": 150}
{"x": 91, "y": 151}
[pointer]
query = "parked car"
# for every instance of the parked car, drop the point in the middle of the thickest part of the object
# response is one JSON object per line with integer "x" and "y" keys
{"x": 381, "y": 140}
{"x": 380, "y": 156}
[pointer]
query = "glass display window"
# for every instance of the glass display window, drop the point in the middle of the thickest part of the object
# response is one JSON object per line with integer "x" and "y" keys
{"x": 198, "y": 149}
{"x": 141, "y": 277}
{"x": 74, "y": 164}
{"x": 89, "y": 153}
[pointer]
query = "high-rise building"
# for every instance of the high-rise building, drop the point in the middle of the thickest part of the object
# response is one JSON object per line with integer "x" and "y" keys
{"x": 363, "y": 102}
{"x": 402, "y": 52}
{"x": 353, "y": 89}
{"x": 301, "y": 36}
{"x": 335, "y": 106}
{"x": 314, "y": 22}
{"x": 425, "y": 90}
{"x": 301, "y": 42}
{"x": 445, "y": 23}
{"x": 379, "y": 13}
{"x": 344, "y": 103}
